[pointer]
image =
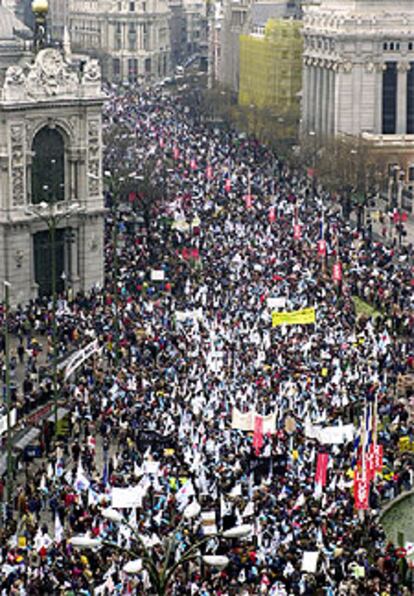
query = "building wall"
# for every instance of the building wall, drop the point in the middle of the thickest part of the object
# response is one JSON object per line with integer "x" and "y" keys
{"x": 270, "y": 67}
{"x": 234, "y": 23}
{"x": 131, "y": 38}
{"x": 48, "y": 93}
{"x": 347, "y": 46}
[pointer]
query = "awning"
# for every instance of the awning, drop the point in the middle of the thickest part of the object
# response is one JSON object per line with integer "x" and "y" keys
{"x": 27, "y": 439}
{"x": 61, "y": 413}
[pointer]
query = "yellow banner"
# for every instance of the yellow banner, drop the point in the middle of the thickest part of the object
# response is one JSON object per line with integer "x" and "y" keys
{"x": 297, "y": 317}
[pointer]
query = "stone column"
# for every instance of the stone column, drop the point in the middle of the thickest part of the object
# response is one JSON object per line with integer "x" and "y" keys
{"x": 305, "y": 95}
{"x": 402, "y": 69}
{"x": 312, "y": 96}
{"x": 380, "y": 67}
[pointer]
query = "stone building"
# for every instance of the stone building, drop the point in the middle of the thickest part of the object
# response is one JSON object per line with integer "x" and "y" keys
{"x": 188, "y": 29}
{"x": 50, "y": 174}
{"x": 358, "y": 74}
{"x": 131, "y": 39}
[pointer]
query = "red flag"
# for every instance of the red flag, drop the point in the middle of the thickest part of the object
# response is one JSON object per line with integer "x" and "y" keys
{"x": 321, "y": 248}
{"x": 132, "y": 196}
{"x": 272, "y": 214}
{"x": 258, "y": 434}
{"x": 209, "y": 172}
{"x": 195, "y": 254}
{"x": 378, "y": 455}
{"x": 186, "y": 253}
{"x": 297, "y": 232}
{"x": 361, "y": 490}
{"x": 227, "y": 185}
{"x": 370, "y": 463}
{"x": 321, "y": 468}
{"x": 337, "y": 271}
{"x": 248, "y": 201}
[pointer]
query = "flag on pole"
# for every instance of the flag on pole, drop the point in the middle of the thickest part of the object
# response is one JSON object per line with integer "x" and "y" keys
{"x": 58, "y": 529}
{"x": 321, "y": 469}
{"x": 258, "y": 434}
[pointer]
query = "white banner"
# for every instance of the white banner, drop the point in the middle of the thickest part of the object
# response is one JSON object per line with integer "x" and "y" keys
{"x": 126, "y": 498}
{"x": 330, "y": 435}
{"x": 240, "y": 421}
{"x": 157, "y": 275}
{"x": 279, "y": 302}
{"x": 79, "y": 358}
{"x": 310, "y": 561}
{"x": 3, "y": 421}
{"x": 208, "y": 523}
{"x": 185, "y": 315}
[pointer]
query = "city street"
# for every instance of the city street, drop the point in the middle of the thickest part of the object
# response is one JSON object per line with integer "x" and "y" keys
{"x": 239, "y": 429}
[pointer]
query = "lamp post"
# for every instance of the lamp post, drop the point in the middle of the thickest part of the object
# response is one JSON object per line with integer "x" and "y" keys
{"x": 7, "y": 392}
{"x": 114, "y": 185}
{"x": 141, "y": 557}
{"x": 51, "y": 215}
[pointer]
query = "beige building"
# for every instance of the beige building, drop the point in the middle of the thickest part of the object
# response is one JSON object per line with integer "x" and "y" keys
{"x": 131, "y": 38}
{"x": 358, "y": 74}
{"x": 51, "y": 195}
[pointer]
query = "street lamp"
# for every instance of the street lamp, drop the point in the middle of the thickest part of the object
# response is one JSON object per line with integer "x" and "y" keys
{"x": 52, "y": 215}
{"x": 114, "y": 188}
{"x": 7, "y": 392}
{"x": 142, "y": 558}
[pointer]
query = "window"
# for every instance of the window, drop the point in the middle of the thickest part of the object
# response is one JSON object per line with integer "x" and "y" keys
{"x": 391, "y": 46}
{"x": 132, "y": 7}
{"x": 410, "y": 45}
{"x": 410, "y": 100}
{"x": 132, "y": 37}
{"x": 385, "y": 46}
{"x": 48, "y": 166}
{"x": 116, "y": 67}
{"x": 411, "y": 173}
{"x": 389, "y": 98}
{"x": 132, "y": 70}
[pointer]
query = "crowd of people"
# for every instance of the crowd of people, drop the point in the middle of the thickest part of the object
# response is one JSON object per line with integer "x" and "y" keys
{"x": 186, "y": 350}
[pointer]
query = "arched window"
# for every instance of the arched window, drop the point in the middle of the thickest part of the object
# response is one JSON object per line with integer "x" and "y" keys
{"x": 48, "y": 166}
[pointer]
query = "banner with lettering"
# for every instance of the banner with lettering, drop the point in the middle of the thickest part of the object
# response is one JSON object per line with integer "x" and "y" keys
{"x": 306, "y": 316}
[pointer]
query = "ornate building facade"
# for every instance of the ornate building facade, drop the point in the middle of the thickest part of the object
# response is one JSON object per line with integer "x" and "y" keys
{"x": 50, "y": 176}
{"x": 358, "y": 72}
{"x": 131, "y": 39}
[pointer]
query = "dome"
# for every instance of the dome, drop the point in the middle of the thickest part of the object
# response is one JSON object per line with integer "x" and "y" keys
{"x": 10, "y": 26}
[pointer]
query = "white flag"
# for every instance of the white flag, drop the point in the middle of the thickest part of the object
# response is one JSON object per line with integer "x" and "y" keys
{"x": 58, "y": 529}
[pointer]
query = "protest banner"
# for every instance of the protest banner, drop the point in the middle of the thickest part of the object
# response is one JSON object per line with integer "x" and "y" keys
{"x": 361, "y": 490}
{"x": 157, "y": 275}
{"x": 3, "y": 421}
{"x": 305, "y": 316}
{"x": 297, "y": 232}
{"x": 310, "y": 561}
{"x": 246, "y": 421}
{"x": 321, "y": 469}
{"x": 321, "y": 248}
{"x": 208, "y": 523}
{"x": 337, "y": 272}
{"x": 258, "y": 434}
{"x": 278, "y": 302}
{"x": 126, "y": 498}
{"x": 329, "y": 435}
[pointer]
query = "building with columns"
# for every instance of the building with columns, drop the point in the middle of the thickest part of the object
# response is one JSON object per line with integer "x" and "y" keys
{"x": 50, "y": 174}
{"x": 131, "y": 39}
{"x": 358, "y": 73}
